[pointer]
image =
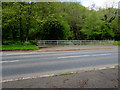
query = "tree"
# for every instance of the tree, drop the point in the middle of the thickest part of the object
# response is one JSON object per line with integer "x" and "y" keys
{"x": 110, "y": 18}
{"x": 9, "y": 20}
{"x": 94, "y": 28}
{"x": 24, "y": 21}
{"x": 17, "y": 20}
{"x": 75, "y": 14}
{"x": 54, "y": 29}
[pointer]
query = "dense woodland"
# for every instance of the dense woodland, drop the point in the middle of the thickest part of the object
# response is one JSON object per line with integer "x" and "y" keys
{"x": 22, "y": 21}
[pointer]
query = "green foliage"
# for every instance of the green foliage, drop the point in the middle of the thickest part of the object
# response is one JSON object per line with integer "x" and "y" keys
{"x": 92, "y": 26}
{"x": 117, "y": 66}
{"x": 19, "y": 47}
{"x": 96, "y": 29}
{"x": 11, "y": 42}
{"x": 75, "y": 14}
{"x": 110, "y": 18}
{"x": 23, "y": 21}
{"x": 117, "y": 43}
{"x": 63, "y": 74}
{"x": 33, "y": 42}
{"x": 54, "y": 29}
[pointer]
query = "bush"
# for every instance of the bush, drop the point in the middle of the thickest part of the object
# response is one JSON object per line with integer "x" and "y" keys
{"x": 10, "y": 42}
{"x": 19, "y": 47}
{"x": 54, "y": 29}
{"x": 117, "y": 43}
{"x": 33, "y": 42}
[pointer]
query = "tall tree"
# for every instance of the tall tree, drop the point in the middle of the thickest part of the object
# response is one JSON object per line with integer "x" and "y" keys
{"x": 55, "y": 29}
{"x": 94, "y": 28}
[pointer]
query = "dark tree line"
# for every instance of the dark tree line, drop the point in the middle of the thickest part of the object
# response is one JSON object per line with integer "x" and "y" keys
{"x": 57, "y": 21}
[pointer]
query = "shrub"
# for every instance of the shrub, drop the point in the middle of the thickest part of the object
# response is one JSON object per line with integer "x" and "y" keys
{"x": 33, "y": 42}
{"x": 117, "y": 43}
{"x": 10, "y": 42}
{"x": 55, "y": 29}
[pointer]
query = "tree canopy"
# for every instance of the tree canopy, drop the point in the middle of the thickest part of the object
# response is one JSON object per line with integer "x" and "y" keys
{"x": 57, "y": 21}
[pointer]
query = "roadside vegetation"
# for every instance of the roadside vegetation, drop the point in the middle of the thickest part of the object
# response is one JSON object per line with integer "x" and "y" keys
{"x": 31, "y": 45}
{"x": 58, "y": 21}
{"x": 117, "y": 43}
{"x": 23, "y": 23}
{"x": 64, "y": 74}
{"x": 19, "y": 47}
{"x": 117, "y": 66}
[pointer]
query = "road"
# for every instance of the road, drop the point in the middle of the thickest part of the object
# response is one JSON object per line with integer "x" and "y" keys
{"x": 34, "y": 64}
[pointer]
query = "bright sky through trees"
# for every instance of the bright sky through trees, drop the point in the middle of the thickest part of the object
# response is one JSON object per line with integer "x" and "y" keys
{"x": 86, "y": 3}
{"x": 97, "y": 3}
{"x": 100, "y": 3}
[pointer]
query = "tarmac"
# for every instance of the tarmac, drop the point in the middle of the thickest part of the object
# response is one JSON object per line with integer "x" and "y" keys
{"x": 105, "y": 78}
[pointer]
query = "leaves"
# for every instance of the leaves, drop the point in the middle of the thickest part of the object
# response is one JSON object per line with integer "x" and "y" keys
{"x": 57, "y": 20}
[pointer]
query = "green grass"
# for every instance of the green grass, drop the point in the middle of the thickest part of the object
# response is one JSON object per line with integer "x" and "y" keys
{"x": 0, "y": 47}
{"x": 116, "y": 43}
{"x": 64, "y": 74}
{"x": 117, "y": 66}
{"x": 19, "y": 47}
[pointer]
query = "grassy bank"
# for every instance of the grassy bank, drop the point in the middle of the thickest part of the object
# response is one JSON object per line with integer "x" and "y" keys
{"x": 117, "y": 43}
{"x": 19, "y": 47}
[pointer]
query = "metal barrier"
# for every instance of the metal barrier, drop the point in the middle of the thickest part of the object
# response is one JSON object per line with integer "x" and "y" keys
{"x": 73, "y": 42}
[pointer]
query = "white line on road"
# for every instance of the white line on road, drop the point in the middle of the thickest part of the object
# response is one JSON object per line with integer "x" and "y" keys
{"x": 9, "y": 54}
{"x": 74, "y": 56}
{"x": 9, "y": 61}
{"x": 85, "y": 55}
{"x": 101, "y": 54}
{"x": 19, "y": 53}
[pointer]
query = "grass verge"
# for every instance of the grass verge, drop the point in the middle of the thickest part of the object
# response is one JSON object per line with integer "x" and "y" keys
{"x": 63, "y": 74}
{"x": 117, "y": 66}
{"x": 116, "y": 43}
{"x": 19, "y": 47}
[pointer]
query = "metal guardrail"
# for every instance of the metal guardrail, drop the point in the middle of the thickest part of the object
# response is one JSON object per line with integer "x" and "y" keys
{"x": 73, "y": 42}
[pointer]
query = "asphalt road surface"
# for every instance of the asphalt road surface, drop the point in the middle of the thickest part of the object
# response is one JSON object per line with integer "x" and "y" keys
{"x": 33, "y": 64}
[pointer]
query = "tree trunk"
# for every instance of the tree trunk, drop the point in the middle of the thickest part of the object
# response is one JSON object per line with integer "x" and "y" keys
{"x": 21, "y": 30}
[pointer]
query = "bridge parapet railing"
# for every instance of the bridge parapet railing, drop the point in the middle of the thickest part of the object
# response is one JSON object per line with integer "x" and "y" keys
{"x": 73, "y": 42}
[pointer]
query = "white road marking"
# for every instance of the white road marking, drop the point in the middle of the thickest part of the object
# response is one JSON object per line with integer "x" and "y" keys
{"x": 9, "y": 61}
{"x": 44, "y": 55}
{"x": 19, "y": 53}
{"x": 74, "y": 56}
{"x": 101, "y": 54}
{"x": 9, "y": 54}
{"x": 84, "y": 55}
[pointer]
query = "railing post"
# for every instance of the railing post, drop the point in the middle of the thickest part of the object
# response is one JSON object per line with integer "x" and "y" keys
{"x": 44, "y": 43}
{"x": 57, "y": 42}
